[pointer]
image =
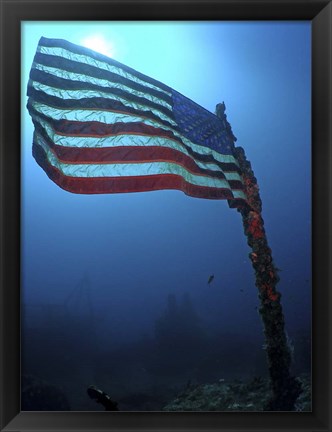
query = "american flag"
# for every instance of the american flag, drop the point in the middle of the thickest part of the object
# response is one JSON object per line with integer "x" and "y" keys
{"x": 102, "y": 127}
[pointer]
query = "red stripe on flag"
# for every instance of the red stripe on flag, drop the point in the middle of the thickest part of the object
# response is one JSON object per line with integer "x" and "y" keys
{"x": 99, "y": 185}
{"x": 96, "y": 129}
{"x": 128, "y": 154}
{"x": 133, "y": 154}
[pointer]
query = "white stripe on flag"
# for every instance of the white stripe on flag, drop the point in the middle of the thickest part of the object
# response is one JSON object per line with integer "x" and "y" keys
{"x": 129, "y": 170}
{"x": 85, "y": 59}
{"x": 60, "y": 73}
{"x": 79, "y": 94}
{"x": 127, "y": 140}
{"x": 86, "y": 115}
{"x": 104, "y": 141}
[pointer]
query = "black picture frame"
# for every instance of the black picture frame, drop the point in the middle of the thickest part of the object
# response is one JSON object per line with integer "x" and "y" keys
{"x": 12, "y": 13}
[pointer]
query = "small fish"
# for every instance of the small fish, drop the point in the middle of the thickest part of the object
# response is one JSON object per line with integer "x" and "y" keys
{"x": 241, "y": 290}
{"x": 210, "y": 279}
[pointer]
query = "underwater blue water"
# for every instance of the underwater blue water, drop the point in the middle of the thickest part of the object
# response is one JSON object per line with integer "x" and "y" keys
{"x": 110, "y": 269}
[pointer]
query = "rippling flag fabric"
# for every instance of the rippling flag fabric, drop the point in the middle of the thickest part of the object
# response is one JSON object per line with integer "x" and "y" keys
{"x": 102, "y": 127}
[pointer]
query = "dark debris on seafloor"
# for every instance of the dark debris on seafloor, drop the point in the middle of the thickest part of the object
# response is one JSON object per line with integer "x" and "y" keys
{"x": 234, "y": 396}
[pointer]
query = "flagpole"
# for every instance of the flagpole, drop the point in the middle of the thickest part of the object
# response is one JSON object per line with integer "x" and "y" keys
{"x": 285, "y": 387}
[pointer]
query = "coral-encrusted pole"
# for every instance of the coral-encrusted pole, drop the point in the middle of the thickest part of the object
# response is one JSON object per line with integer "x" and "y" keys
{"x": 285, "y": 387}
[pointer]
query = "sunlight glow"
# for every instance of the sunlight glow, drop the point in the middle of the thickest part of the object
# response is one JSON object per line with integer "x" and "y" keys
{"x": 98, "y": 43}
